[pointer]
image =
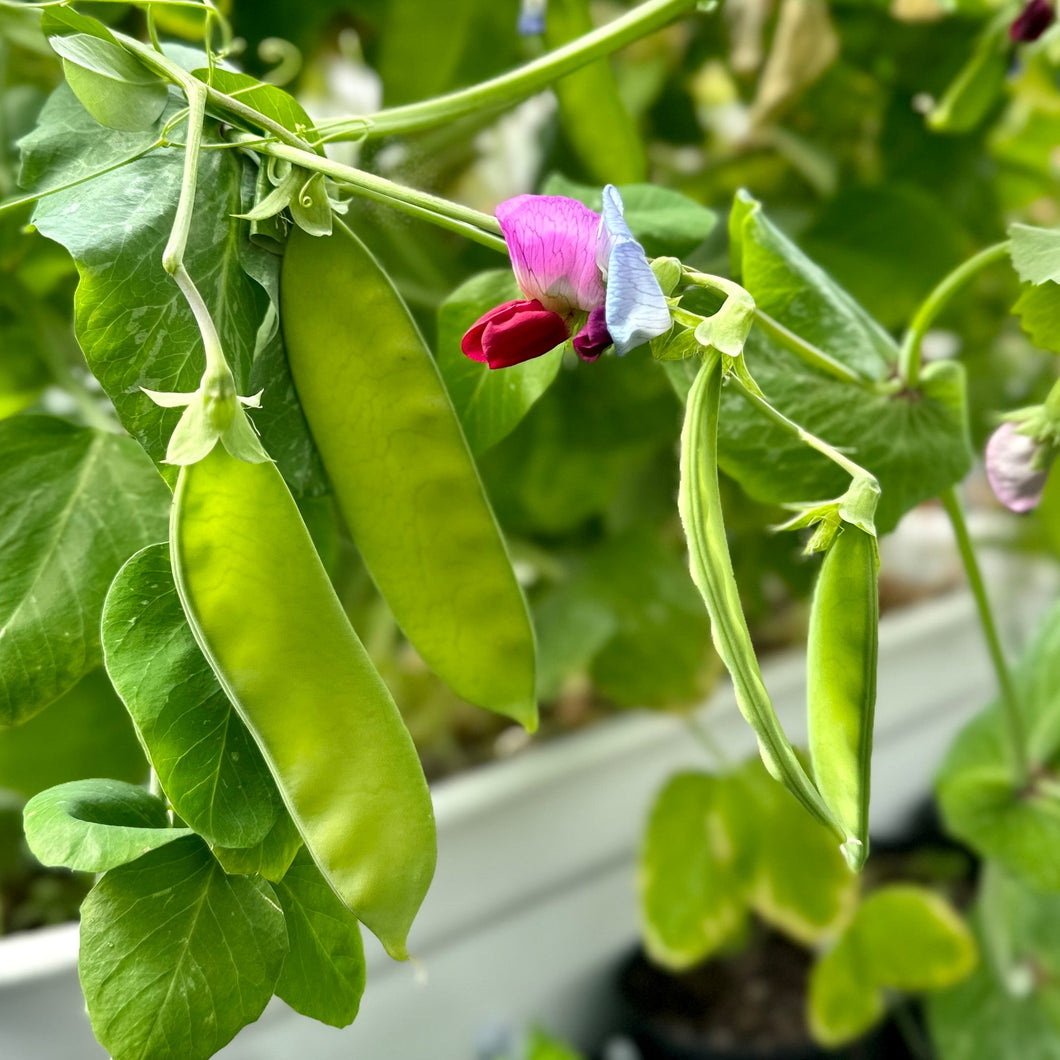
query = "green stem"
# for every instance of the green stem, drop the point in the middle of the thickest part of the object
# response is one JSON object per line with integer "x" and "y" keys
{"x": 1017, "y": 731}
{"x": 806, "y": 351}
{"x": 474, "y": 224}
{"x": 855, "y": 471}
{"x": 909, "y": 356}
{"x": 524, "y": 81}
{"x": 173, "y": 255}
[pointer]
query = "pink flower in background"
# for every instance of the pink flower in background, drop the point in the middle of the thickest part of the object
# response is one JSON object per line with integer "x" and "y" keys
{"x": 1016, "y": 468}
{"x": 562, "y": 252}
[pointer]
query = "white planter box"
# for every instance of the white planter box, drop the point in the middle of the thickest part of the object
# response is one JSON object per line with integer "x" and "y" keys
{"x": 533, "y": 902}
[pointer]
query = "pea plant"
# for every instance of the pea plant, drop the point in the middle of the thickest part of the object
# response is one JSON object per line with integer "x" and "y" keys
{"x": 260, "y": 367}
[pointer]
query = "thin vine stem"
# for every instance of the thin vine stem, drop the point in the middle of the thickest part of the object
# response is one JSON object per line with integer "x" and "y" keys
{"x": 473, "y": 224}
{"x": 524, "y": 81}
{"x": 936, "y": 301}
{"x": 807, "y": 352}
{"x": 1014, "y": 718}
{"x": 855, "y": 471}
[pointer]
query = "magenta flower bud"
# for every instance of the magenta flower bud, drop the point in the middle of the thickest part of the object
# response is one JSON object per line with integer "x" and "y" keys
{"x": 594, "y": 338}
{"x": 1014, "y": 468}
{"x": 514, "y": 332}
{"x": 552, "y": 242}
{"x": 1032, "y": 21}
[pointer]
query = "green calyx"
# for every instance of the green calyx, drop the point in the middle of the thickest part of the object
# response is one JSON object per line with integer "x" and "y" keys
{"x": 212, "y": 413}
{"x": 856, "y": 507}
{"x": 1042, "y": 424}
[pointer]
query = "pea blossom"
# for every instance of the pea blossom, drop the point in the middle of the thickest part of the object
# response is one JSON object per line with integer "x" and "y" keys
{"x": 1035, "y": 18}
{"x": 581, "y": 273}
{"x": 1017, "y": 466}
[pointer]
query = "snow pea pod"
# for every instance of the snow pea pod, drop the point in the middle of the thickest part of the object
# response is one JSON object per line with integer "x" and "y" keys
{"x": 841, "y": 680}
{"x": 266, "y": 617}
{"x": 402, "y": 472}
{"x": 699, "y": 502}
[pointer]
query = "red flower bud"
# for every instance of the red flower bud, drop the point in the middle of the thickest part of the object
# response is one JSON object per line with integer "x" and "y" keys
{"x": 514, "y": 332}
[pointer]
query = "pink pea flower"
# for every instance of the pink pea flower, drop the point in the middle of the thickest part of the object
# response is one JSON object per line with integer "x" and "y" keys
{"x": 561, "y": 253}
{"x": 1016, "y": 467}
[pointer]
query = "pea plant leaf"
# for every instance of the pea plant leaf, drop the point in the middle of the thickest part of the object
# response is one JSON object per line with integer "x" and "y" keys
{"x": 1009, "y": 1007}
{"x": 206, "y": 760}
{"x": 490, "y": 404}
{"x": 800, "y": 882}
{"x": 176, "y": 956}
{"x": 1035, "y": 253}
{"x": 95, "y": 825}
{"x": 323, "y": 975}
{"x": 902, "y": 937}
{"x": 1038, "y": 308}
{"x": 84, "y": 733}
{"x": 690, "y": 875}
{"x": 887, "y": 431}
{"x": 132, "y": 321}
{"x": 271, "y": 857}
{"x": 270, "y": 100}
{"x": 75, "y": 503}
{"x": 981, "y": 800}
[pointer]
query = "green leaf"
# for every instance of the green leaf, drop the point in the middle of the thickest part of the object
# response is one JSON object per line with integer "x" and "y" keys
{"x": 84, "y": 733}
{"x": 1009, "y": 1008}
{"x": 543, "y": 1046}
{"x": 1035, "y": 253}
{"x": 323, "y": 976}
{"x": 132, "y": 322}
{"x": 1015, "y": 825}
{"x": 176, "y": 957}
{"x": 271, "y": 858}
{"x": 902, "y": 937}
{"x": 270, "y": 100}
{"x": 75, "y": 503}
{"x": 690, "y": 875}
{"x": 599, "y": 128}
{"x": 800, "y": 883}
{"x": 114, "y": 86}
{"x": 1039, "y": 311}
{"x": 96, "y": 825}
{"x": 206, "y": 760}
{"x": 664, "y": 221}
{"x": 490, "y": 403}
{"x": 889, "y": 433}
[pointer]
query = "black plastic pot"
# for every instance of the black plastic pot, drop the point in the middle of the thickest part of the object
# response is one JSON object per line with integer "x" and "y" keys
{"x": 664, "y": 1014}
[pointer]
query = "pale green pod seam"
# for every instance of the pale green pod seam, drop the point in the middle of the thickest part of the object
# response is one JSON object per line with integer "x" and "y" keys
{"x": 699, "y": 502}
{"x": 266, "y": 617}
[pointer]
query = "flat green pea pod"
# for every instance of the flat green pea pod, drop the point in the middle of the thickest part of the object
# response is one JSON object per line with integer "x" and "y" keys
{"x": 402, "y": 472}
{"x": 841, "y": 681}
{"x": 699, "y": 501}
{"x": 266, "y": 617}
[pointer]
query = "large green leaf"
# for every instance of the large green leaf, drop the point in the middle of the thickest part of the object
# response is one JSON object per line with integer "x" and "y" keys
{"x": 490, "y": 403}
{"x": 982, "y": 803}
{"x": 323, "y": 976}
{"x": 84, "y": 733}
{"x": 271, "y": 858}
{"x": 114, "y": 86}
{"x": 691, "y": 873}
{"x": 207, "y": 762}
{"x": 889, "y": 432}
{"x": 901, "y": 938}
{"x": 1009, "y": 1008}
{"x": 75, "y": 503}
{"x": 176, "y": 957}
{"x": 1038, "y": 308}
{"x": 95, "y": 825}
{"x": 134, "y": 325}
